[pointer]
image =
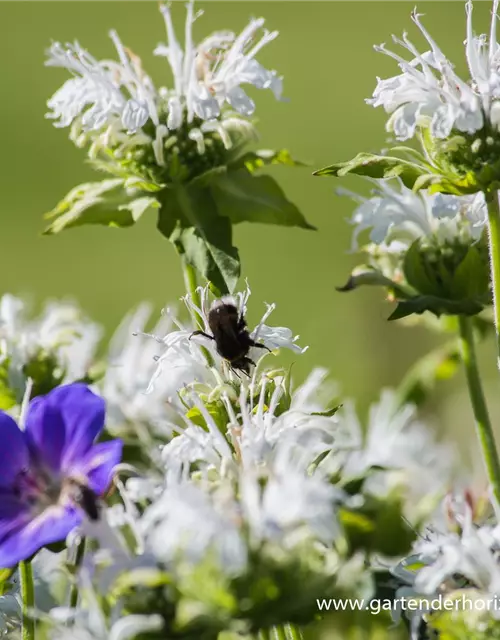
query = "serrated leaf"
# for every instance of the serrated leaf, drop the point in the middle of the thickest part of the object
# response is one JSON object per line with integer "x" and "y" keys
{"x": 106, "y": 203}
{"x": 189, "y": 218}
{"x": 253, "y": 160}
{"x": 244, "y": 197}
{"x": 376, "y": 166}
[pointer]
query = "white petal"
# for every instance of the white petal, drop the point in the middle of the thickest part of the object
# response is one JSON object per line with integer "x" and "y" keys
{"x": 240, "y": 102}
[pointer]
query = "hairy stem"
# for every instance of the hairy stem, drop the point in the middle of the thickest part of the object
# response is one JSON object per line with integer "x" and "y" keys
{"x": 28, "y": 599}
{"x": 480, "y": 410}
{"x": 494, "y": 234}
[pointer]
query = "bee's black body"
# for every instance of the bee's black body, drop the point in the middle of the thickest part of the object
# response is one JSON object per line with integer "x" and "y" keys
{"x": 231, "y": 336}
{"x": 88, "y": 502}
{"x": 86, "y": 499}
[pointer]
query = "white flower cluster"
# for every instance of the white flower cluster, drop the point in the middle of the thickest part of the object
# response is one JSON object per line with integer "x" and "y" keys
{"x": 118, "y": 99}
{"x": 61, "y": 332}
{"x": 282, "y": 466}
{"x": 397, "y": 216}
{"x": 457, "y": 552}
{"x": 237, "y": 467}
{"x": 429, "y": 91}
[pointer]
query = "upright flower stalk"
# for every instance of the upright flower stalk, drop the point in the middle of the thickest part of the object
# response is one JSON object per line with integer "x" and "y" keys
{"x": 27, "y": 600}
{"x": 494, "y": 235}
{"x": 429, "y": 249}
{"x": 179, "y": 151}
{"x": 483, "y": 424}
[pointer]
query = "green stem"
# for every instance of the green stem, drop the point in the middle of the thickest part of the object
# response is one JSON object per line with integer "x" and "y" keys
{"x": 80, "y": 552}
{"x": 278, "y": 633}
{"x": 483, "y": 424}
{"x": 293, "y": 633}
{"x": 494, "y": 233}
{"x": 28, "y": 599}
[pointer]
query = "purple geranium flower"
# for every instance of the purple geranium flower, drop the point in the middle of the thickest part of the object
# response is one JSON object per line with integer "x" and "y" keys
{"x": 51, "y": 471}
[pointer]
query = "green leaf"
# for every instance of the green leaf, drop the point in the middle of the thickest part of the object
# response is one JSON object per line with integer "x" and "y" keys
{"x": 145, "y": 577}
{"x": 417, "y": 273}
{"x": 216, "y": 411}
{"x": 107, "y": 203}
{"x": 329, "y": 413}
{"x": 5, "y": 576}
{"x": 368, "y": 276}
{"x": 375, "y": 166}
{"x": 425, "y": 181}
{"x": 472, "y": 276}
{"x": 253, "y": 160}
{"x": 8, "y": 396}
{"x": 244, "y": 197}
{"x": 189, "y": 218}
{"x": 437, "y": 306}
{"x": 378, "y": 526}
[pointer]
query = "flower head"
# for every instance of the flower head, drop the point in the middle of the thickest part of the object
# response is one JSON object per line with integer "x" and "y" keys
{"x": 49, "y": 468}
{"x": 131, "y": 364}
{"x": 429, "y": 90}
{"x": 115, "y": 104}
{"x": 428, "y": 249}
{"x": 182, "y": 359}
{"x": 58, "y": 346}
{"x": 397, "y": 216}
{"x": 395, "y": 449}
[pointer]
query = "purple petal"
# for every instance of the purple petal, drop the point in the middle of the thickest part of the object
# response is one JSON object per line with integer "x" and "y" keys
{"x": 13, "y": 514}
{"x": 82, "y": 415}
{"x": 45, "y": 432}
{"x": 53, "y": 525}
{"x": 99, "y": 464}
{"x": 13, "y": 452}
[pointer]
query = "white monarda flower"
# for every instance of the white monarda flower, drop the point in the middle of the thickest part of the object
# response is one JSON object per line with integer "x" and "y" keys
{"x": 101, "y": 91}
{"x": 428, "y": 89}
{"x": 397, "y": 216}
{"x": 397, "y": 446}
{"x": 132, "y": 362}
{"x": 61, "y": 332}
{"x": 281, "y": 503}
{"x": 293, "y": 505}
{"x": 183, "y": 359}
{"x": 255, "y": 438}
{"x": 473, "y": 554}
{"x": 210, "y": 74}
{"x": 191, "y": 521}
{"x": 117, "y": 99}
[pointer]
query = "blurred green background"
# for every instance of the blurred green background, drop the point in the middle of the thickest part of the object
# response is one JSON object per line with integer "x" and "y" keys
{"x": 325, "y": 53}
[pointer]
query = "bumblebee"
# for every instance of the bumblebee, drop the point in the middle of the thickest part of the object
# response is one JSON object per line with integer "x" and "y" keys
{"x": 230, "y": 334}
